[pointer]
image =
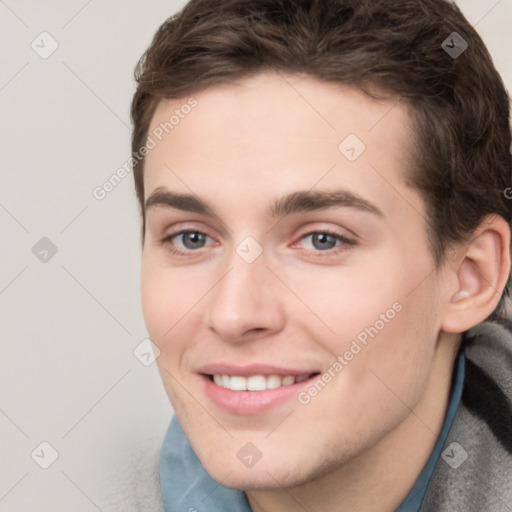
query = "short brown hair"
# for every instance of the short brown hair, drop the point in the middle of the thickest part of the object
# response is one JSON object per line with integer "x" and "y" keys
{"x": 459, "y": 105}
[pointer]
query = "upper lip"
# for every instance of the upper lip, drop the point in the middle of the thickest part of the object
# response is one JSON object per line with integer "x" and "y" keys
{"x": 252, "y": 369}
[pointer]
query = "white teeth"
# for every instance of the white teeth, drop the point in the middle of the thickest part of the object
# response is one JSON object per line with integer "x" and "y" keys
{"x": 238, "y": 383}
{"x": 289, "y": 379}
{"x": 273, "y": 381}
{"x": 256, "y": 382}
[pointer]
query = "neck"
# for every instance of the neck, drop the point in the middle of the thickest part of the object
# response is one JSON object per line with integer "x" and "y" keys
{"x": 379, "y": 479}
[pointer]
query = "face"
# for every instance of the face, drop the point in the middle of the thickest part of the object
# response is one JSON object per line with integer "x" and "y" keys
{"x": 286, "y": 276}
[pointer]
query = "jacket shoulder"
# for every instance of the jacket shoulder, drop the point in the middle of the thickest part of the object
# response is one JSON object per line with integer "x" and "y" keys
{"x": 477, "y": 474}
{"x": 135, "y": 486}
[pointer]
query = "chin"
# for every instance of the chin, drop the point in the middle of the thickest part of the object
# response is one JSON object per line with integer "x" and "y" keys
{"x": 272, "y": 474}
{"x": 253, "y": 480}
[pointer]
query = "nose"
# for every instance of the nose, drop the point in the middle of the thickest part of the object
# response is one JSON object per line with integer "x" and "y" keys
{"x": 246, "y": 302}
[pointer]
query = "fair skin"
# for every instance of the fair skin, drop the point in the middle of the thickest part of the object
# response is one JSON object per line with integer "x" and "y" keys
{"x": 361, "y": 442}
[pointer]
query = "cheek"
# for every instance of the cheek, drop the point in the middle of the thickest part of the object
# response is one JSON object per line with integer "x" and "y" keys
{"x": 155, "y": 300}
{"x": 165, "y": 300}
{"x": 395, "y": 350}
{"x": 339, "y": 304}
{"x": 372, "y": 320}
{"x": 173, "y": 306}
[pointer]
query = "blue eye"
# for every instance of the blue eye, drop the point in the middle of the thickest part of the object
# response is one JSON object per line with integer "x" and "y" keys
{"x": 193, "y": 239}
{"x": 190, "y": 240}
{"x": 324, "y": 241}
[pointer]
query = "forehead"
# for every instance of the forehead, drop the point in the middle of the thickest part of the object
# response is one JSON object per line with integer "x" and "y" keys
{"x": 276, "y": 132}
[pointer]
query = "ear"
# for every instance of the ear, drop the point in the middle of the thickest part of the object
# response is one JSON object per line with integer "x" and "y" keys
{"x": 481, "y": 267}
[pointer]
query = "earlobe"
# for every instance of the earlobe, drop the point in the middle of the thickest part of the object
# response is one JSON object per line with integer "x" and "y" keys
{"x": 481, "y": 275}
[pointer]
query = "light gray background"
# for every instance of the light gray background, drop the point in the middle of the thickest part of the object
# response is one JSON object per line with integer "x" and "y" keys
{"x": 68, "y": 375}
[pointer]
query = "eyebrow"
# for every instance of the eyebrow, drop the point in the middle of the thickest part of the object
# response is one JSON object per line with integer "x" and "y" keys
{"x": 296, "y": 202}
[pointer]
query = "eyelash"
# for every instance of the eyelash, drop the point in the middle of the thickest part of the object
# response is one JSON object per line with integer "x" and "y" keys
{"x": 346, "y": 242}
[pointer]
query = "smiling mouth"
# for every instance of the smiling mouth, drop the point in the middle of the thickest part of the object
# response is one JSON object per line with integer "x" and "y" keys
{"x": 258, "y": 382}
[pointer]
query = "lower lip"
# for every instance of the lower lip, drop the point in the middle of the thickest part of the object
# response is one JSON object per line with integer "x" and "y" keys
{"x": 251, "y": 402}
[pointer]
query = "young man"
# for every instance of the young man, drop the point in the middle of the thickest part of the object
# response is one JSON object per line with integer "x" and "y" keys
{"x": 326, "y": 243}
